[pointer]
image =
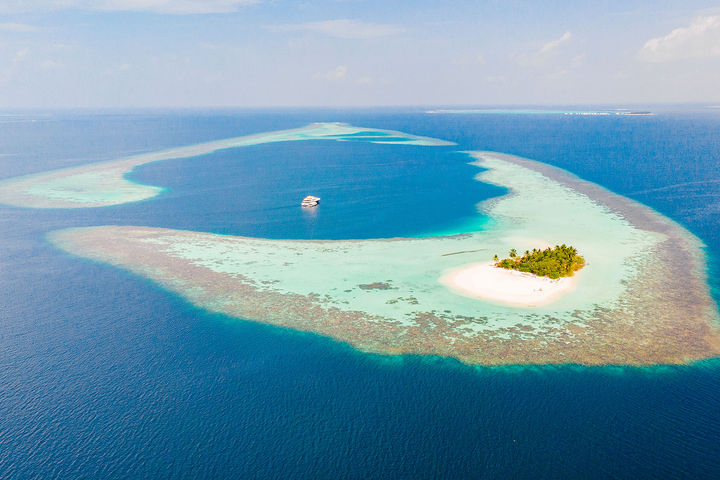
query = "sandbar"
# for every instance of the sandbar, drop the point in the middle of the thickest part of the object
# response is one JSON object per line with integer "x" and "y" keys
{"x": 510, "y": 287}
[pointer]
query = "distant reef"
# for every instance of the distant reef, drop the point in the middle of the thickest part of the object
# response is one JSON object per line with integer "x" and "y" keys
{"x": 105, "y": 184}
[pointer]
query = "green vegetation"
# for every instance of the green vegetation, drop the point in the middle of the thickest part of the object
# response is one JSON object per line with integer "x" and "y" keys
{"x": 561, "y": 261}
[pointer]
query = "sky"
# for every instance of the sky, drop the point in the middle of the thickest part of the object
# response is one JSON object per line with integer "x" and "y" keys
{"x": 273, "y": 53}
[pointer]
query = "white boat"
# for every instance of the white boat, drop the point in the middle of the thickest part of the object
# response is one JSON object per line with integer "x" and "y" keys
{"x": 310, "y": 201}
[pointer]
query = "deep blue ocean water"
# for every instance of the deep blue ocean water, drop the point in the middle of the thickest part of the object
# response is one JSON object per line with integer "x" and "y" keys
{"x": 105, "y": 375}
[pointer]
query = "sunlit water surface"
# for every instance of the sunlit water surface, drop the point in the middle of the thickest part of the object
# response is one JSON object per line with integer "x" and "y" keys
{"x": 103, "y": 374}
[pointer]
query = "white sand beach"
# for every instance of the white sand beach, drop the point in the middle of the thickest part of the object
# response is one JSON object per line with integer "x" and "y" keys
{"x": 487, "y": 282}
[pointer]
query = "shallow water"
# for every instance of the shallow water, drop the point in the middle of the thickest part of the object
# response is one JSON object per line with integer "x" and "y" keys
{"x": 105, "y": 374}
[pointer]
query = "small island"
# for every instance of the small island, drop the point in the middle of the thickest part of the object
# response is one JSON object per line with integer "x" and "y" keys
{"x": 535, "y": 279}
{"x": 561, "y": 261}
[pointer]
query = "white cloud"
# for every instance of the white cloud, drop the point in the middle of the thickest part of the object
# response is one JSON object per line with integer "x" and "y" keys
{"x": 12, "y": 66}
{"x": 542, "y": 56}
{"x": 700, "y": 40}
{"x": 339, "y": 73}
{"x": 578, "y": 60}
{"x": 117, "y": 68}
{"x": 49, "y": 64}
{"x": 478, "y": 59}
{"x": 156, "y": 6}
{"x": 367, "y": 80}
{"x": 21, "y": 54}
{"x": 18, "y": 27}
{"x": 342, "y": 28}
{"x": 558, "y": 74}
{"x": 554, "y": 44}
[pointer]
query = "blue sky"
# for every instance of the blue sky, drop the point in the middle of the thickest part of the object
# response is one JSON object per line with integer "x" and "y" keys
{"x": 190, "y": 53}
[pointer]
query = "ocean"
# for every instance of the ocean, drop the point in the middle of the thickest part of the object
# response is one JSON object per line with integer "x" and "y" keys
{"x": 103, "y": 374}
